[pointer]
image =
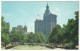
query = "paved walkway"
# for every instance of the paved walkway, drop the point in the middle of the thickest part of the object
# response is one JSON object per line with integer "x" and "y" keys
{"x": 58, "y": 49}
{"x": 26, "y": 47}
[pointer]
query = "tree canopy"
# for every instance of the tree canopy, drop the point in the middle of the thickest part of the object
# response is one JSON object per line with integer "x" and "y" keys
{"x": 68, "y": 34}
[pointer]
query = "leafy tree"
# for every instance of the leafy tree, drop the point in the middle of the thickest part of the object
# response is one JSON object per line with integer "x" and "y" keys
{"x": 4, "y": 26}
{"x": 55, "y": 36}
{"x": 76, "y": 27}
{"x": 40, "y": 37}
{"x": 35, "y": 38}
{"x": 5, "y": 39}
{"x": 30, "y": 38}
{"x": 66, "y": 35}
{"x": 71, "y": 32}
{"x": 17, "y": 37}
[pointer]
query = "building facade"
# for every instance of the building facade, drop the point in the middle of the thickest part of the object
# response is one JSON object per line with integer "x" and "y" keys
{"x": 47, "y": 24}
{"x": 20, "y": 28}
{"x": 39, "y": 26}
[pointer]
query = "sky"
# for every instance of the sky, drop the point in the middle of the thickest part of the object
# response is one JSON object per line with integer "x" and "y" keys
{"x": 21, "y": 12}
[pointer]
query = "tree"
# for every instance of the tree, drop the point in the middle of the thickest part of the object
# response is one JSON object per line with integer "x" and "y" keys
{"x": 66, "y": 35}
{"x": 30, "y": 38}
{"x": 17, "y": 36}
{"x": 35, "y": 38}
{"x": 71, "y": 32}
{"x": 55, "y": 35}
{"x": 5, "y": 39}
{"x": 4, "y": 26}
{"x": 76, "y": 27}
{"x": 40, "y": 37}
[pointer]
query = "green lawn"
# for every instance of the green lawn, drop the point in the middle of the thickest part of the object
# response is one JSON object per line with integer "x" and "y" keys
{"x": 27, "y": 47}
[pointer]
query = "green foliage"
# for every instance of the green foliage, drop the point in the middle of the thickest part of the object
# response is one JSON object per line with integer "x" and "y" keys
{"x": 66, "y": 35}
{"x": 40, "y": 37}
{"x": 17, "y": 36}
{"x": 30, "y": 38}
{"x": 56, "y": 35}
{"x": 72, "y": 31}
{"x": 4, "y": 26}
{"x": 35, "y": 38}
{"x": 5, "y": 39}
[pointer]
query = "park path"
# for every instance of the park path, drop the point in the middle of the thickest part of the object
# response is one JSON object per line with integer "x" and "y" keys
{"x": 21, "y": 47}
{"x": 58, "y": 49}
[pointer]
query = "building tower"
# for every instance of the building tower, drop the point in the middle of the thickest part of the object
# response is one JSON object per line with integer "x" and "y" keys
{"x": 47, "y": 24}
{"x": 25, "y": 29}
{"x": 49, "y": 20}
{"x": 47, "y": 11}
{"x": 38, "y": 25}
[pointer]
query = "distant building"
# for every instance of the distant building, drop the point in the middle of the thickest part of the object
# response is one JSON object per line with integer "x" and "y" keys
{"x": 25, "y": 29}
{"x": 38, "y": 25}
{"x": 47, "y": 24}
{"x": 20, "y": 28}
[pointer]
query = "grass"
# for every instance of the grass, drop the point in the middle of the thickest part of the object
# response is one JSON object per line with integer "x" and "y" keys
{"x": 29, "y": 47}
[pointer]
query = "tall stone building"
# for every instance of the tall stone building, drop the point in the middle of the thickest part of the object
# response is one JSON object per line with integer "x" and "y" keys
{"x": 38, "y": 25}
{"x": 47, "y": 24}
